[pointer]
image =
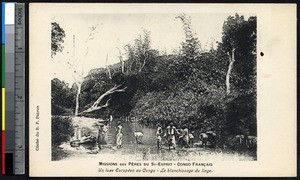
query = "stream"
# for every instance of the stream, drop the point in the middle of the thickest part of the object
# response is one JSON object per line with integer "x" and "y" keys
{"x": 130, "y": 150}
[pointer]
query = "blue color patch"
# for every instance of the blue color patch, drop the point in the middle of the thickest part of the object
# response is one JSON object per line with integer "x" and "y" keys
{"x": 3, "y": 22}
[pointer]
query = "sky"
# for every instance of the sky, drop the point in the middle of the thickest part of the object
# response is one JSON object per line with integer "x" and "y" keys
{"x": 116, "y": 30}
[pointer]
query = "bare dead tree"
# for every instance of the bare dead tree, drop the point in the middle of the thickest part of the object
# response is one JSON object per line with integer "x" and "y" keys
{"x": 74, "y": 64}
{"x": 96, "y": 105}
{"x": 77, "y": 77}
{"x": 130, "y": 53}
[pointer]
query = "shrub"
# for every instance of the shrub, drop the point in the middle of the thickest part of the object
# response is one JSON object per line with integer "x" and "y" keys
{"x": 62, "y": 129}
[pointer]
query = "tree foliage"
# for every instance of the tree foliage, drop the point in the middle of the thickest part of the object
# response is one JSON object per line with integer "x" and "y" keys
{"x": 191, "y": 47}
{"x": 188, "y": 87}
{"x": 140, "y": 55}
{"x": 62, "y": 130}
{"x": 240, "y": 34}
{"x": 57, "y": 38}
{"x": 62, "y": 98}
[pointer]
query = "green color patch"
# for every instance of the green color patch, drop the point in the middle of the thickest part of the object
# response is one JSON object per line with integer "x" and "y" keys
{"x": 3, "y": 65}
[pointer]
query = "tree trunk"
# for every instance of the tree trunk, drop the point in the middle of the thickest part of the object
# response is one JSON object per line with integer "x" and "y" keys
{"x": 107, "y": 67}
{"x": 144, "y": 62}
{"x": 77, "y": 98}
{"x": 122, "y": 61}
{"x": 123, "y": 67}
{"x": 231, "y": 61}
{"x": 109, "y": 74}
{"x": 142, "y": 65}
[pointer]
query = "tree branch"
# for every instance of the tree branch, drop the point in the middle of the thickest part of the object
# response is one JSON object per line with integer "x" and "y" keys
{"x": 92, "y": 33}
{"x": 96, "y": 106}
{"x": 72, "y": 66}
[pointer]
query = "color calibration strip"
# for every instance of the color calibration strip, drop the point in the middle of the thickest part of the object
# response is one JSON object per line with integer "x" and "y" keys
{"x": 13, "y": 89}
{"x": 8, "y": 40}
{"x": 3, "y": 90}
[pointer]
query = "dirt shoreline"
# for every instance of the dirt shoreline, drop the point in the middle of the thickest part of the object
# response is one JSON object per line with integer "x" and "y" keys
{"x": 146, "y": 153}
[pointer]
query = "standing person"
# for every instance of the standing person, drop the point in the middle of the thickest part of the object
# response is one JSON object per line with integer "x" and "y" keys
{"x": 104, "y": 133}
{"x": 185, "y": 138}
{"x": 159, "y": 133}
{"x": 171, "y": 130}
{"x": 191, "y": 134}
{"x": 191, "y": 137}
{"x": 167, "y": 135}
{"x": 100, "y": 136}
{"x": 119, "y": 136}
{"x": 180, "y": 137}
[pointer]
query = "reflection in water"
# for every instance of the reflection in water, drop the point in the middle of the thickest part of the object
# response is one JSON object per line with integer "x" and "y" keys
{"x": 129, "y": 140}
{"x": 128, "y": 134}
{"x": 145, "y": 151}
{"x": 149, "y": 133}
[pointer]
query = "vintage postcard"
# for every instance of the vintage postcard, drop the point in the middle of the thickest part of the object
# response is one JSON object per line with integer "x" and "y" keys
{"x": 162, "y": 90}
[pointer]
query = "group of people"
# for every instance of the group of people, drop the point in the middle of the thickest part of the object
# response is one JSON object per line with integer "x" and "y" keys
{"x": 171, "y": 133}
{"x": 182, "y": 136}
{"x": 173, "y": 136}
{"x": 102, "y": 134}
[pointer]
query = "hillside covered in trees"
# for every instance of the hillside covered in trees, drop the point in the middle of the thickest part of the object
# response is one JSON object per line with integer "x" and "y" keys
{"x": 211, "y": 90}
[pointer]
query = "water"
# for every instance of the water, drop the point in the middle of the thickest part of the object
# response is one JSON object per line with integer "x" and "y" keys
{"x": 133, "y": 151}
{"x": 129, "y": 144}
{"x": 129, "y": 141}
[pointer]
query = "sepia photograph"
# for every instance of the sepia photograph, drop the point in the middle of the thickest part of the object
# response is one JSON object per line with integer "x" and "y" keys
{"x": 162, "y": 90}
{"x": 160, "y": 87}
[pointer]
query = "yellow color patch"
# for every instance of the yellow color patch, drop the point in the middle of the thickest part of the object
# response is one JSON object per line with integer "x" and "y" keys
{"x": 3, "y": 109}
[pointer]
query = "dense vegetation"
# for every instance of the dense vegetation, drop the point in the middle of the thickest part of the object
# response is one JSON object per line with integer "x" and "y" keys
{"x": 185, "y": 87}
{"x": 61, "y": 130}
